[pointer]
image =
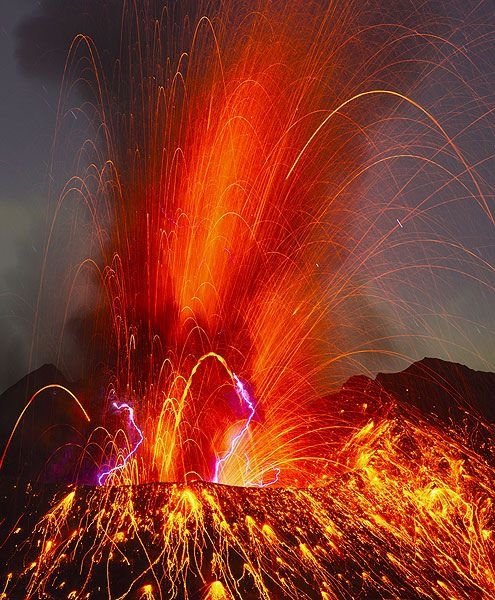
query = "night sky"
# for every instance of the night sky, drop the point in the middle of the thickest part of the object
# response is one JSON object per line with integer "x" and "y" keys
{"x": 27, "y": 119}
{"x": 436, "y": 311}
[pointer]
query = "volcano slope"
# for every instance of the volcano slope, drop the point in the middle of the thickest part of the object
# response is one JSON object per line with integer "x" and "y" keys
{"x": 406, "y": 512}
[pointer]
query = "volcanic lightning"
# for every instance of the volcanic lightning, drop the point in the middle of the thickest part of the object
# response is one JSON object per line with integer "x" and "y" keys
{"x": 244, "y": 397}
{"x": 102, "y": 477}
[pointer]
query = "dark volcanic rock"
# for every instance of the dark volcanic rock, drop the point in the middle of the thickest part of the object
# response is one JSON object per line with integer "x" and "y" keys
{"x": 15, "y": 398}
{"x": 46, "y": 438}
{"x": 447, "y": 390}
{"x": 450, "y": 394}
{"x": 446, "y": 394}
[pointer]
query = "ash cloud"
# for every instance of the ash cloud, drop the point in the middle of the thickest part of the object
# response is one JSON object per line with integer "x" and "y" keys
{"x": 44, "y": 38}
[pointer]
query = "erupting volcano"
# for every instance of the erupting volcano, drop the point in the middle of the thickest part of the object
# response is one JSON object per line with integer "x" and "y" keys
{"x": 261, "y": 179}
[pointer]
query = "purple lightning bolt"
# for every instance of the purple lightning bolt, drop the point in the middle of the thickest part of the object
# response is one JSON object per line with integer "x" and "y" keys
{"x": 103, "y": 476}
{"x": 244, "y": 397}
{"x": 261, "y": 483}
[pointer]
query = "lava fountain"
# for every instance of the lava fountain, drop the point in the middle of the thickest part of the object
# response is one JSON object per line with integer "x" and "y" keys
{"x": 235, "y": 147}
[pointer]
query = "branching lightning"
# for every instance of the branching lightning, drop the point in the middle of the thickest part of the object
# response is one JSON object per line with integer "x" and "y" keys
{"x": 102, "y": 477}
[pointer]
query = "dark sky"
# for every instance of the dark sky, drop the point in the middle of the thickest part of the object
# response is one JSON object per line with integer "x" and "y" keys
{"x": 436, "y": 312}
{"x": 27, "y": 119}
